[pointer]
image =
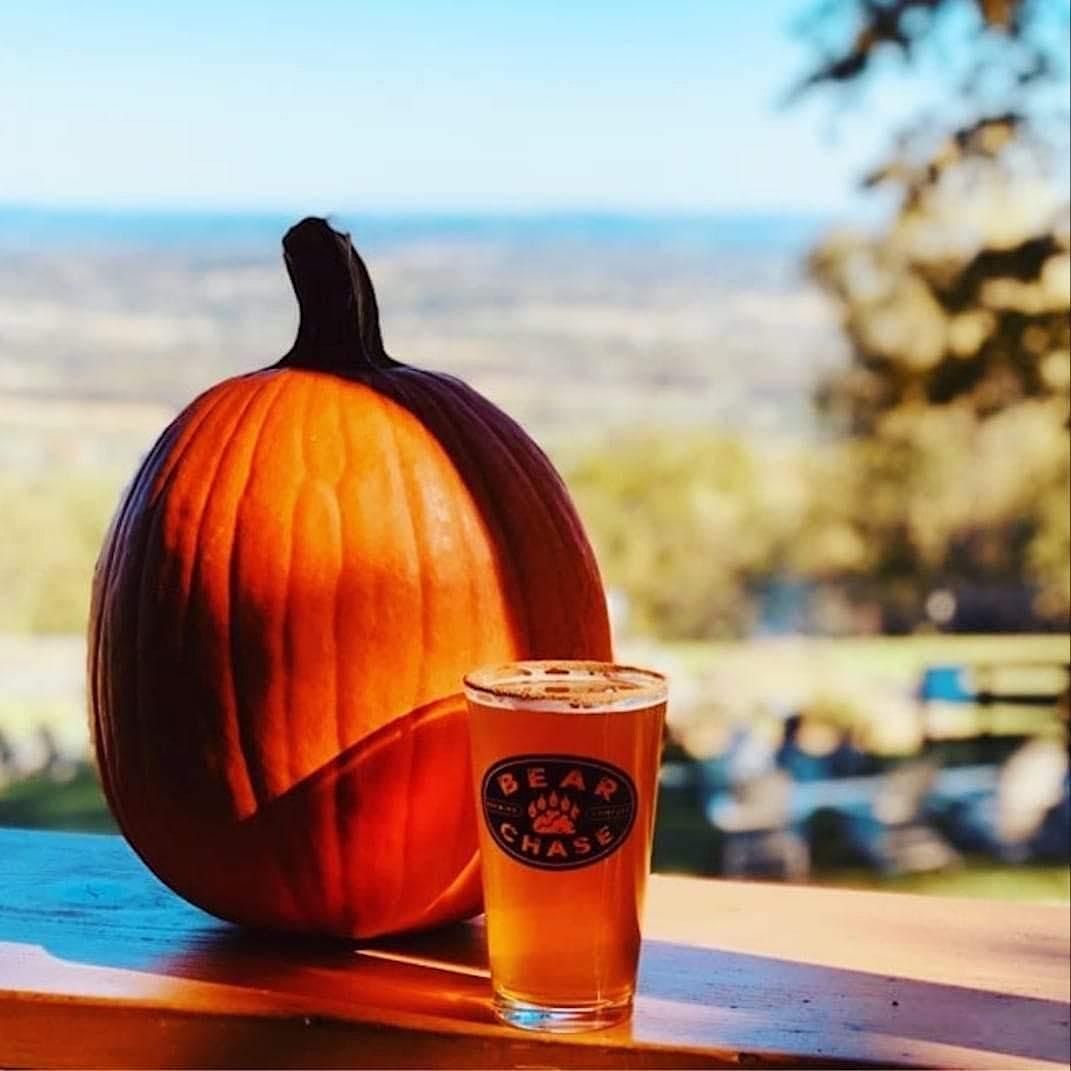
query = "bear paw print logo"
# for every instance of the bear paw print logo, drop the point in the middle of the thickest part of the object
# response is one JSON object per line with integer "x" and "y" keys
{"x": 553, "y": 814}
{"x": 557, "y": 812}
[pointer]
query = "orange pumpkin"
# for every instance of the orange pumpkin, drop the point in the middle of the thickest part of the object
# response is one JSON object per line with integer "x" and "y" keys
{"x": 307, "y": 562}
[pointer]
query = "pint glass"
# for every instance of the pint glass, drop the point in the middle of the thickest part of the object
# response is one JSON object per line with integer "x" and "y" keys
{"x": 565, "y": 760}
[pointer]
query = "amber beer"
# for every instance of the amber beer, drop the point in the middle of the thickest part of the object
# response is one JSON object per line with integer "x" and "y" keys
{"x": 565, "y": 762}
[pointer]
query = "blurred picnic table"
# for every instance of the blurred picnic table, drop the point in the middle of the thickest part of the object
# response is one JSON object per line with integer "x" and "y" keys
{"x": 856, "y": 794}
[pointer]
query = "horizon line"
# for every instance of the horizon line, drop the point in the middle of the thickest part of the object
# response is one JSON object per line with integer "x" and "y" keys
{"x": 445, "y": 210}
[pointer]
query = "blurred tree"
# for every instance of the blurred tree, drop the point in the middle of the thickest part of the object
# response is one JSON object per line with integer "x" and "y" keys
{"x": 683, "y": 525}
{"x": 51, "y": 539}
{"x": 955, "y": 405}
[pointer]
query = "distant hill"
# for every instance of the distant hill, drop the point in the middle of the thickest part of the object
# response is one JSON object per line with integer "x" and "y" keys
{"x": 575, "y": 323}
{"x": 24, "y": 224}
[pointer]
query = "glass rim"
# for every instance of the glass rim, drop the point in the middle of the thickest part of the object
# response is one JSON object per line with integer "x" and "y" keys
{"x": 503, "y": 685}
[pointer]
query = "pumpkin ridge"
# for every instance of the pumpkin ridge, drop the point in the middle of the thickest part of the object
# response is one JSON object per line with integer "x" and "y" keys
{"x": 132, "y": 520}
{"x": 268, "y": 725}
{"x": 242, "y": 792}
{"x": 330, "y": 865}
{"x": 336, "y": 487}
{"x": 490, "y": 510}
{"x": 376, "y": 600}
{"x": 102, "y": 578}
{"x": 139, "y": 534}
{"x": 289, "y": 658}
{"x": 155, "y": 481}
{"x": 525, "y": 480}
{"x": 563, "y": 510}
{"x": 188, "y": 557}
{"x": 342, "y": 728}
{"x": 245, "y": 723}
{"x": 185, "y": 427}
{"x": 342, "y": 723}
{"x": 470, "y": 471}
{"x": 163, "y": 478}
{"x": 477, "y": 644}
{"x": 244, "y": 719}
{"x": 401, "y": 480}
{"x": 104, "y": 582}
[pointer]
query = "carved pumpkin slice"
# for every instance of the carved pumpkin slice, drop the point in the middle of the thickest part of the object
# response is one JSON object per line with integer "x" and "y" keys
{"x": 394, "y": 825}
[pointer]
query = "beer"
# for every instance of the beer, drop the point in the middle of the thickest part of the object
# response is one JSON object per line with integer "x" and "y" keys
{"x": 565, "y": 762}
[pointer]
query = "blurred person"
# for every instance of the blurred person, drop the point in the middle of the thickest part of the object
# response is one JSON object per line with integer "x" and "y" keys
{"x": 847, "y": 759}
{"x": 1028, "y": 815}
{"x": 893, "y": 833}
{"x": 800, "y": 764}
{"x": 750, "y": 753}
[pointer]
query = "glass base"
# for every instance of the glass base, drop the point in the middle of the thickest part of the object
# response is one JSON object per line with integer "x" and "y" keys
{"x": 560, "y": 1018}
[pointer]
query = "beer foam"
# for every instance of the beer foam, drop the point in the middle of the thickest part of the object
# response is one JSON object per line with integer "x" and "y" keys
{"x": 575, "y": 687}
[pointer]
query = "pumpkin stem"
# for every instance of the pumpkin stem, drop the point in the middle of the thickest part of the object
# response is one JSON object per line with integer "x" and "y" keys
{"x": 339, "y": 326}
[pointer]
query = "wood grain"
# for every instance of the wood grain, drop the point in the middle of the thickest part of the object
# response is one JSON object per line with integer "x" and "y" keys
{"x": 100, "y": 965}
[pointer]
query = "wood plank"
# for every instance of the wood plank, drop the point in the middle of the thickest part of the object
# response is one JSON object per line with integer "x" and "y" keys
{"x": 100, "y": 965}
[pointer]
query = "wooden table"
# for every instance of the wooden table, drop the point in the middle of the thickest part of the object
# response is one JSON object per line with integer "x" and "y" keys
{"x": 100, "y": 965}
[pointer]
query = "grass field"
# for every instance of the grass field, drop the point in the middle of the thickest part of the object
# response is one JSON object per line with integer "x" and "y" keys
{"x": 976, "y": 878}
{"x": 892, "y": 658}
{"x": 40, "y": 803}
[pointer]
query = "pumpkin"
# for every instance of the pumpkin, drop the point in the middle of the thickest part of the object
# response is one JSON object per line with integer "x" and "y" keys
{"x": 307, "y": 562}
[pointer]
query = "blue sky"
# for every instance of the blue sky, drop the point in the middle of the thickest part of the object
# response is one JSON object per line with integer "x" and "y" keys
{"x": 655, "y": 105}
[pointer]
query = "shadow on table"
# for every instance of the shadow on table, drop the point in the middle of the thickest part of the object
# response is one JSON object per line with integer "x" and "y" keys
{"x": 691, "y": 997}
{"x": 762, "y": 1004}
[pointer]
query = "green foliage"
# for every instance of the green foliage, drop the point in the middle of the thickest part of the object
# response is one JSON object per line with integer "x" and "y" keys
{"x": 976, "y": 879}
{"x": 944, "y": 309}
{"x": 956, "y": 404}
{"x": 39, "y": 802}
{"x": 1049, "y": 552}
{"x": 682, "y": 524}
{"x": 938, "y": 496}
{"x": 54, "y": 524}
{"x": 689, "y": 526}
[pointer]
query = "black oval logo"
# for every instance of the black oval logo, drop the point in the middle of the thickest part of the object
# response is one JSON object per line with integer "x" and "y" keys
{"x": 558, "y": 812}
